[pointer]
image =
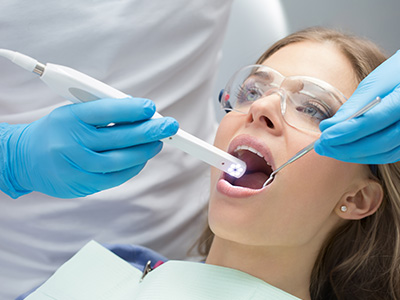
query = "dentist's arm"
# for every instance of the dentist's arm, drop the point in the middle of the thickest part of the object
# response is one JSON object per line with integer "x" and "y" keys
{"x": 71, "y": 153}
{"x": 373, "y": 138}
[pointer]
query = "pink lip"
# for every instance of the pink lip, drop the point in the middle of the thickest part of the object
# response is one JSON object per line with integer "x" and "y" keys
{"x": 224, "y": 187}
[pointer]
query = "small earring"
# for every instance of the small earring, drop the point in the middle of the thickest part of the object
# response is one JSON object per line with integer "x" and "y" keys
{"x": 343, "y": 208}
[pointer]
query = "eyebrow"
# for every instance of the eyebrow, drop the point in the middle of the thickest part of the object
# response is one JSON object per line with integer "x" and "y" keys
{"x": 307, "y": 93}
{"x": 267, "y": 77}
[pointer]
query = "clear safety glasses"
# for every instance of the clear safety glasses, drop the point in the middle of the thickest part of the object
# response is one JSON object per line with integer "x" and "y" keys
{"x": 305, "y": 101}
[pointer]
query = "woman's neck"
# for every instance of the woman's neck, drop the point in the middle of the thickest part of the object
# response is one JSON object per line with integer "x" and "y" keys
{"x": 288, "y": 269}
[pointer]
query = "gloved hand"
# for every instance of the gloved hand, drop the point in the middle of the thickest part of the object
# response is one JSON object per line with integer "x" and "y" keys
{"x": 72, "y": 153}
{"x": 373, "y": 138}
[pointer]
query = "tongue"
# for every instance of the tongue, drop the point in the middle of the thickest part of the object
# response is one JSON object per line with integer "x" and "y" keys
{"x": 252, "y": 180}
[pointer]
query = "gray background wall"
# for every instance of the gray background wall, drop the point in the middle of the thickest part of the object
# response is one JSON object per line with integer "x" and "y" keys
{"x": 377, "y": 20}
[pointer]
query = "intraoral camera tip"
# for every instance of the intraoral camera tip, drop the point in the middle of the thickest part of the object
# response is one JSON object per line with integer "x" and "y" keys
{"x": 236, "y": 170}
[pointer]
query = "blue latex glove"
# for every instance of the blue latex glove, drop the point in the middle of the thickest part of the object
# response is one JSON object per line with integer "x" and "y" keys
{"x": 70, "y": 153}
{"x": 373, "y": 138}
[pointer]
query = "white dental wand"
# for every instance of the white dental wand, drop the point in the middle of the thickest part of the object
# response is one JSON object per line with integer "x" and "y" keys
{"x": 78, "y": 87}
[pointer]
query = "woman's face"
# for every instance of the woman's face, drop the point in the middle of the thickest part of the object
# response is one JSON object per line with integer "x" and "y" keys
{"x": 301, "y": 205}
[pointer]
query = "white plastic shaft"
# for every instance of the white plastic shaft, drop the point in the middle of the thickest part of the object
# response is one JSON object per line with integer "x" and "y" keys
{"x": 24, "y": 61}
{"x": 78, "y": 87}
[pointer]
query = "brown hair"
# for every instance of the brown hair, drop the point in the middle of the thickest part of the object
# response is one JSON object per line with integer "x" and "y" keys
{"x": 361, "y": 259}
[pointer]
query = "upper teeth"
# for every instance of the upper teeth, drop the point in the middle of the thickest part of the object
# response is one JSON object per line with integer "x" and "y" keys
{"x": 248, "y": 148}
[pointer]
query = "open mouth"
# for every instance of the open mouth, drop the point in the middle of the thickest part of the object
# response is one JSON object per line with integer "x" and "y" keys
{"x": 258, "y": 168}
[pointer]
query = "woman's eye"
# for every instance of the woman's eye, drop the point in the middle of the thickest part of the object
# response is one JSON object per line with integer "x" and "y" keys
{"x": 249, "y": 94}
{"x": 314, "y": 109}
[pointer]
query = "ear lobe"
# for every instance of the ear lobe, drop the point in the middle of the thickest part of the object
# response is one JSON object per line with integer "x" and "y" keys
{"x": 363, "y": 203}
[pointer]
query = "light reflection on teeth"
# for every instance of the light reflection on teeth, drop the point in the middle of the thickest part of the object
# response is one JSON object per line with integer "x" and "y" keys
{"x": 244, "y": 147}
{"x": 248, "y": 148}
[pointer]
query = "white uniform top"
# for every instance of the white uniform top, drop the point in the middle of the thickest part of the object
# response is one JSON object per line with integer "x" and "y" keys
{"x": 166, "y": 51}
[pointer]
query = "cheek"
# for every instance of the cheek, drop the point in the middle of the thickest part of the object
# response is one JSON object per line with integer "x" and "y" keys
{"x": 305, "y": 203}
{"x": 226, "y": 130}
{"x": 312, "y": 186}
{"x": 322, "y": 178}
{"x": 316, "y": 176}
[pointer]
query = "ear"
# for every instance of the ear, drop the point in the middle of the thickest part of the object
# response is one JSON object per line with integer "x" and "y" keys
{"x": 361, "y": 203}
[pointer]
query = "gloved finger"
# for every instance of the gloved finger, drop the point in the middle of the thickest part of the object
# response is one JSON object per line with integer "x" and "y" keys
{"x": 391, "y": 156}
{"x": 128, "y": 135}
{"x": 379, "y": 82}
{"x": 114, "y": 160}
{"x": 378, "y": 118}
{"x": 379, "y": 146}
{"x": 105, "y": 111}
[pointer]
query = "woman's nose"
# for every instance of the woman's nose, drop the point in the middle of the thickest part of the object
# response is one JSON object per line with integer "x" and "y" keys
{"x": 266, "y": 113}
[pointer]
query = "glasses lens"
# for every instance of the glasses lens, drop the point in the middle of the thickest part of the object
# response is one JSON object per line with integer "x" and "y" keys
{"x": 306, "y": 101}
{"x": 248, "y": 85}
{"x": 309, "y": 101}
